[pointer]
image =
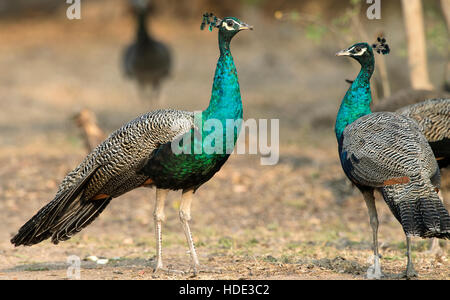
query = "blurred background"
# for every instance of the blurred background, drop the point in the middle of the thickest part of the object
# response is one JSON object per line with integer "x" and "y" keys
{"x": 301, "y": 213}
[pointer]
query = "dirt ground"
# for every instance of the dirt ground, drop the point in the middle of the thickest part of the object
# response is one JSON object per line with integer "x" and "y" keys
{"x": 299, "y": 219}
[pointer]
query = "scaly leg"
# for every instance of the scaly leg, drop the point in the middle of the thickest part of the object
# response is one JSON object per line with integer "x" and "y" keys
{"x": 435, "y": 248}
{"x": 410, "y": 272}
{"x": 185, "y": 217}
{"x": 374, "y": 271}
{"x": 159, "y": 217}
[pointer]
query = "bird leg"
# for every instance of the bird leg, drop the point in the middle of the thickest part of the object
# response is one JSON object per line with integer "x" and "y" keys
{"x": 185, "y": 217}
{"x": 410, "y": 272}
{"x": 435, "y": 248}
{"x": 374, "y": 271}
{"x": 159, "y": 217}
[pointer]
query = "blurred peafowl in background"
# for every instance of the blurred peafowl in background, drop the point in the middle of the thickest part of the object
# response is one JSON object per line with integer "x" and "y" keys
{"x": 387, "y": 152}
{"x": 158, "y": 149}
{"x": 146, "y": 60}
{"x": 407, "y": 97}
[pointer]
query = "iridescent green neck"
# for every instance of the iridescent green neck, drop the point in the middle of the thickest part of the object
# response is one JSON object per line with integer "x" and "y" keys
{"x": 225, "y": 100}
{"x": 356, "y": 102}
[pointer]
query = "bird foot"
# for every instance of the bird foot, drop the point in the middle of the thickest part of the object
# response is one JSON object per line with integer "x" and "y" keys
{"x": 374, "y": 273}
{"x": 410, "y": 273}
{"x": 197, "y": 269}
{"x": 435, "y": 248}
{"x": 168, "y": 271}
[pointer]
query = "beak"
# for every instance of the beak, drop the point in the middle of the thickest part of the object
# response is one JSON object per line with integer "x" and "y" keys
{"x": 245, "y": 27}
{"x": 344, "y": 53}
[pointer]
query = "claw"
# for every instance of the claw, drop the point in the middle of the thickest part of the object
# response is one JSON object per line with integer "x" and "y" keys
{"x": 374, "y": 271}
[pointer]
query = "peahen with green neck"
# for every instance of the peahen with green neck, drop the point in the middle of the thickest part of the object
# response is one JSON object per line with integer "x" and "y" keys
{"x": 150, "y": 151}
{"x": 147, "y": 60}
{"x": 388, "y": 152}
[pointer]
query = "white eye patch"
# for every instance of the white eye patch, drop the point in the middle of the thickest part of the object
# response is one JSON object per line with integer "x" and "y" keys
{"x": 360, "y": 53}
{"x": 225, "y": 24}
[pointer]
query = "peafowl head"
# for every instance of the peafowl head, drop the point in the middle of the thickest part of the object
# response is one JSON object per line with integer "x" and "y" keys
{"x": 363, "y": 52}
{"x": 228, "y": 27}
{"x": 140, "y": 4}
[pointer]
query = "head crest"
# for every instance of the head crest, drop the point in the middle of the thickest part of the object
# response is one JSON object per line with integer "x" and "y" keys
{"x": 381, "y": 47}
{"x": 211, "y": 20}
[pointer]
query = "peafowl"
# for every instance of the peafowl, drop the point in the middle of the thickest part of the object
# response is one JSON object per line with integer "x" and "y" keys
{"x": 387, "y": 152}
{"x": 146, "y": 153}
{"x": 433, "y": 117}
{"x": 146, "y": 60}
{"x": 406, "y": 97}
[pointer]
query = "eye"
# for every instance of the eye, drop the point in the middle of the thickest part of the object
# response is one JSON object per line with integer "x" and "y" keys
{"x": 357, "y": 49}
{"x": 230, "y": 23}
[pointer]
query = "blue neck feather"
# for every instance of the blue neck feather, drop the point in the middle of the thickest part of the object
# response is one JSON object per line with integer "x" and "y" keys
{"x": 225, "y": 100}
{"x": 356, "y": 102}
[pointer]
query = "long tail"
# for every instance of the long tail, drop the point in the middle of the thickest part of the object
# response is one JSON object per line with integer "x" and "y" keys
{"x": 62, "y": 218}
{"x": 417, "y": 207}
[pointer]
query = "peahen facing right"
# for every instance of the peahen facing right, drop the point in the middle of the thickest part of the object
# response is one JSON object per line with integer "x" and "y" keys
{"x": 388, "y": 152}
{"x": 146, "y": 60}
{"x": 158, "y": 149}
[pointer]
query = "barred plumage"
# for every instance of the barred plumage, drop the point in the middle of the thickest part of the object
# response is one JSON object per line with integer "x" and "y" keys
{"x": 110, "y": 169}
{"x": 433, "y": 117}
{"x": 140, "y": 154}
{"x": 389, "y": 152}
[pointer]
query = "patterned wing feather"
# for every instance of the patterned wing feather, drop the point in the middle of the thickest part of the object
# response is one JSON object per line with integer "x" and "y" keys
{"x": 433, "y": 116}
{"x": 110, "y": 171}
{"x": 383, "y": 148}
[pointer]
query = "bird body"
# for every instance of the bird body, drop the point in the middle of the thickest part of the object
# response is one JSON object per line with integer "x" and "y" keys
{"x": 146, "y": 60}
{"x": 141, "y": 154}
{"x": 401, "y": 166}
{"x": 109, "y": 171}
{"x": 433, "y": 116}
{"x": 388, "y": 152}
{"x": 225, "y": 104}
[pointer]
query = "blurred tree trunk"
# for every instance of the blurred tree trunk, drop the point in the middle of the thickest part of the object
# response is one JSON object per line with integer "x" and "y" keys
{"x": 417, "y": 51}
{"x": 446, "y": 11}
